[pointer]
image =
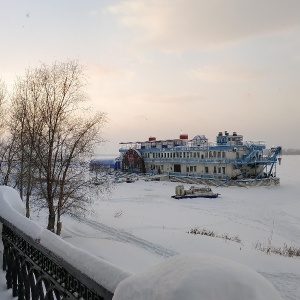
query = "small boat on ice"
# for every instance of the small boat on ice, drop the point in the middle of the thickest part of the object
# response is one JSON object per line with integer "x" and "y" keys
{"x": 194, "y": 192}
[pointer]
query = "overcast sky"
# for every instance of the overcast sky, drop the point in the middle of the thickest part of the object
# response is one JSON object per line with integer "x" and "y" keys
{"x": 164, "y": 67}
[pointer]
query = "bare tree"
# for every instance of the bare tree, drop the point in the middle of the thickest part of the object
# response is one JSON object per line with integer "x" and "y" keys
{"x": 55, "y": 137}
{"x": 23, "y": 124}
{"x": 3, "y": 96}
{"x": 7, "y": 143}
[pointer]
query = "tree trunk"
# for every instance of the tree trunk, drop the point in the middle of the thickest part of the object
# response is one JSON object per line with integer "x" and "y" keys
{"x": 51, "y": 219}
{"x": 59, "y": 208}
{"x": 58, "y": 228}
{"x": 27, "y": 207}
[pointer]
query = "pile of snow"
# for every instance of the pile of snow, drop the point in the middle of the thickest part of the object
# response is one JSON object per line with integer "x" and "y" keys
{"x": 13, "y": 211}
{"x": 12, "y": 198}
{"x": 194, "y": 277}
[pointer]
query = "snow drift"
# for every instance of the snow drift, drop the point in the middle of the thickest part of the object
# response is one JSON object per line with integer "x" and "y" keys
{"x": 194, "y": 277}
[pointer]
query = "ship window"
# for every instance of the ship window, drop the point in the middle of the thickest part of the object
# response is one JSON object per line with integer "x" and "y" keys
{"x": 206, "y": 169}
{"x": 177, "y": 168}
{"x": 191, "y": 169}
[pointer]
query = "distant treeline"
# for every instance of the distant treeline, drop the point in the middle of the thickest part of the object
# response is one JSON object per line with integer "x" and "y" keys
{"x": 291, "y": 151}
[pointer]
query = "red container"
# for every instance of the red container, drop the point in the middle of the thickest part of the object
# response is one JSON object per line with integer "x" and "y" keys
{"x": 184, "y": 136}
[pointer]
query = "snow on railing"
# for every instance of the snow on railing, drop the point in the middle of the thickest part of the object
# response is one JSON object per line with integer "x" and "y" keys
{"x": 30, "y": 249}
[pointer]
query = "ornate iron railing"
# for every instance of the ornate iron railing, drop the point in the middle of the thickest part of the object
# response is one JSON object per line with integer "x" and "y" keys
{"x": 35, "y": 273}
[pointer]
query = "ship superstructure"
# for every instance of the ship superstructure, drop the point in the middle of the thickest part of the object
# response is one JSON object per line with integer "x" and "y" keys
{"x": 228, "y": 159}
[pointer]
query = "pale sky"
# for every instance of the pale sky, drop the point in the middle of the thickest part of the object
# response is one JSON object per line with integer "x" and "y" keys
{"x": 164, "y": 67}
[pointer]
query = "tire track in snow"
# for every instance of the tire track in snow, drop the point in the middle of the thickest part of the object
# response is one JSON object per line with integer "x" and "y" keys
{"x": 124, "y": 236}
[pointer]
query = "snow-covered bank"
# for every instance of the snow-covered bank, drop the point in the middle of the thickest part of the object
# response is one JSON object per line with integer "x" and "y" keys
{"x": 181, "y": 277}
{"x": 139, "y": 226}
{"x": 146, "y": 211}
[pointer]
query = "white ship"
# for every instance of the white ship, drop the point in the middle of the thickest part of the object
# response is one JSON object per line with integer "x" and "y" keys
{"x": 229, "y": 160}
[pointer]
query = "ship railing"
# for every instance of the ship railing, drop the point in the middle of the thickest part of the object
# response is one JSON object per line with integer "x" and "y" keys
{"x": 262, "y": 160}
{"x": 190, "y": 160}
{"x": 254, "y": 143}
{"x": 247, "y": 160}
{"x": 127, "y": 146}
{"x": 200, "y": 175}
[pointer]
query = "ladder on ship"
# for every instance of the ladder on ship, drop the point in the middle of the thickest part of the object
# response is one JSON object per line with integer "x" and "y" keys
{"x": 272, "y": 158}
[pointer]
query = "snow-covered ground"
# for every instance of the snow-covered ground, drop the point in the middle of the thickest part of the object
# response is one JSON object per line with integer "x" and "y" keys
{"x": 139, "y": 226}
